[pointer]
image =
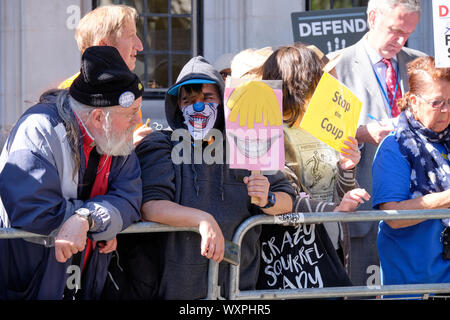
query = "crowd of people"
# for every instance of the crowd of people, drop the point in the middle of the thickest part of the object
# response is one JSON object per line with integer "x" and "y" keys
{"x": 80, "y": 166}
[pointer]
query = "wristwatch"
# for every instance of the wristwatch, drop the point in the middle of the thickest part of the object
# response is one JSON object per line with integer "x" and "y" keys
{"x": 86, "y": 214}
{"x": 271, "y": 200}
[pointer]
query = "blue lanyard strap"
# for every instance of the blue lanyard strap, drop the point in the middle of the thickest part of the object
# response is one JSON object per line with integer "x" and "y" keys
{"x": 390, "y": 103}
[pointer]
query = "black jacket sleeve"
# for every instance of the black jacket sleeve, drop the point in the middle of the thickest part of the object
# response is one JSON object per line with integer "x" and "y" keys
{"x": 279, "y": 183}
{"x": 157, "y": 168}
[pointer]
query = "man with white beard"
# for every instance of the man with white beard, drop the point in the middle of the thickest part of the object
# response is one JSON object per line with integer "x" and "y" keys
{"x": 69, "y": 173}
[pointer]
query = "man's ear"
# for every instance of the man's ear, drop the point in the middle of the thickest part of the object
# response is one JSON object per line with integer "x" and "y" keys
{"x": 371, "y": 18}
{"x": 96, "y": 119}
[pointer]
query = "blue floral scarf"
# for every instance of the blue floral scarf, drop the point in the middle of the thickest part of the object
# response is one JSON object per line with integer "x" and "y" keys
{"x": 430, "y": 172}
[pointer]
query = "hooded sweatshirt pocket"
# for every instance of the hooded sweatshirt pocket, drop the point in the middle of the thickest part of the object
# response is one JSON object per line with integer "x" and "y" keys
{"x": 184, "y": 281}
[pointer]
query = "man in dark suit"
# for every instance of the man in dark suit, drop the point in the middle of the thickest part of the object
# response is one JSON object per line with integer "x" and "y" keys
{"x": 375, "y": 70}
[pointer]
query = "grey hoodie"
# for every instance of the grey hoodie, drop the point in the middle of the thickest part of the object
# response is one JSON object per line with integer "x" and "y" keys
{"x": 196, "y": 68}
{"x": 214, "y": 188}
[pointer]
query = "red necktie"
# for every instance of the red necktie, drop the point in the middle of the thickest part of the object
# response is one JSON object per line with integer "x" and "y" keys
{"x": 391, "y": 81}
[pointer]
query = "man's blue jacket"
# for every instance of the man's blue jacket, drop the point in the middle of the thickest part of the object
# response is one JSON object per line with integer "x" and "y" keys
{"x": 38, "y": 193}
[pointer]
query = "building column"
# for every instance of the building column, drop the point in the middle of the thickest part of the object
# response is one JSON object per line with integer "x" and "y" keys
{"x": 10, "y": 62}
{"x": 37, "y": 51}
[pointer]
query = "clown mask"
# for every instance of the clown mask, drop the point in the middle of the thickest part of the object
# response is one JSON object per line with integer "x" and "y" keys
{"x": 200, "y": 117}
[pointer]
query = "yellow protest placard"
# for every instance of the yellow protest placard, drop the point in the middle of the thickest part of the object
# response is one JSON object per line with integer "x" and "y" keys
{"x": 333, "y": 112}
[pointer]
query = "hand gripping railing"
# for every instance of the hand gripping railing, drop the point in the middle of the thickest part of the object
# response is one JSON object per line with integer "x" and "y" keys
{"x": 213, "y": 292}
{"x": 334, "y": 292}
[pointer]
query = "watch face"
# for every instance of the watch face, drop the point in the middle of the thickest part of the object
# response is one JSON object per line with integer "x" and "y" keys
{"x": 272, "y": 199}
{"x": 83, "y": 212}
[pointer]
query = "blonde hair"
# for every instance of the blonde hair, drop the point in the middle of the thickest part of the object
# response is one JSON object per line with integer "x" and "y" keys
{"x": 104, "y": 22}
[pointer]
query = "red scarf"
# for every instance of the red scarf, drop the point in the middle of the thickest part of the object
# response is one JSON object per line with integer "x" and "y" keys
{"x": 100, "y": 186}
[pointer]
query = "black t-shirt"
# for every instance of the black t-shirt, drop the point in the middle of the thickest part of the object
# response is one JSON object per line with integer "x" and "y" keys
{"x": 295, "y": 257}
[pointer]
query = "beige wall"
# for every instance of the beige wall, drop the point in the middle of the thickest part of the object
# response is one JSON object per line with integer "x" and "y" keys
{"x": 37, "y": 51}
{"x": 422, "y": 38}
{"x": 235, "y": 25}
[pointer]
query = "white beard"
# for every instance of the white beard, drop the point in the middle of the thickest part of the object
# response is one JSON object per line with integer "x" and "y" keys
{"x": 113, "y": 143}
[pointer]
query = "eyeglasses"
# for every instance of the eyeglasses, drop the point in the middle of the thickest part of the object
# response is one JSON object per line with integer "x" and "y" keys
{"x": 436, "y": 104}
{"x": 127, "y": 115}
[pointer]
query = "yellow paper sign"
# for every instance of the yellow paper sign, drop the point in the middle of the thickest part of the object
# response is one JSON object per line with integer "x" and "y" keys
{"x": 333, "y": 112}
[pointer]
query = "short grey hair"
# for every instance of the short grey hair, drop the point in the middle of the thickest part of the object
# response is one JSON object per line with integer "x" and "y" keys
{"x": 385, "y": 5}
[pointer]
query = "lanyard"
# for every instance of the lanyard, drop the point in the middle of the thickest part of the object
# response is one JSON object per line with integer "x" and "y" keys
{"x": 390, "y": 104}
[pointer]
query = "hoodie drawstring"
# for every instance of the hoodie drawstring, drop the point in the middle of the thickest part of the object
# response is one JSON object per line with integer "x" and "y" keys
{"x": 222, "y": 192}
{"x": 194, "y": 172}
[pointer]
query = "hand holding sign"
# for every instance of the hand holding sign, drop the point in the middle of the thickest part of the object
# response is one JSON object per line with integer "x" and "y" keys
{"x": 350, "y": 155}
{"x": 333, "y": 113}
{"x": 258, "y": 188}
{"x": 253, "y": 119}
{"x": 254, "y": 130}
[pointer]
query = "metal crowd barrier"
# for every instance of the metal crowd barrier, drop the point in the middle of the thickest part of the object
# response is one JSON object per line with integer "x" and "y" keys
{"x": 335, "y": 292}
{"x": 213, "y": 292}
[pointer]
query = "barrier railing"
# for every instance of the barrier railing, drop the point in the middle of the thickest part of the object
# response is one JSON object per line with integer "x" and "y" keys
{"x": 213, "y": 292}
{"x": 334, "y": 292}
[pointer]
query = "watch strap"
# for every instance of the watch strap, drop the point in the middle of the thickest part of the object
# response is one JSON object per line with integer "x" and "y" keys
{"x": 271, "y": 200}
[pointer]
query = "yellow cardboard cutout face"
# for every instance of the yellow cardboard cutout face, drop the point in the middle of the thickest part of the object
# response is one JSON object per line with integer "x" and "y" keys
{"x": 254, "y": 101}
{"x": 253, "y": 118}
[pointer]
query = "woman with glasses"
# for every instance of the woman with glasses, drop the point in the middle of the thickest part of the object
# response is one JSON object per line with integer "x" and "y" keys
{"x": 411, "y": 171}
